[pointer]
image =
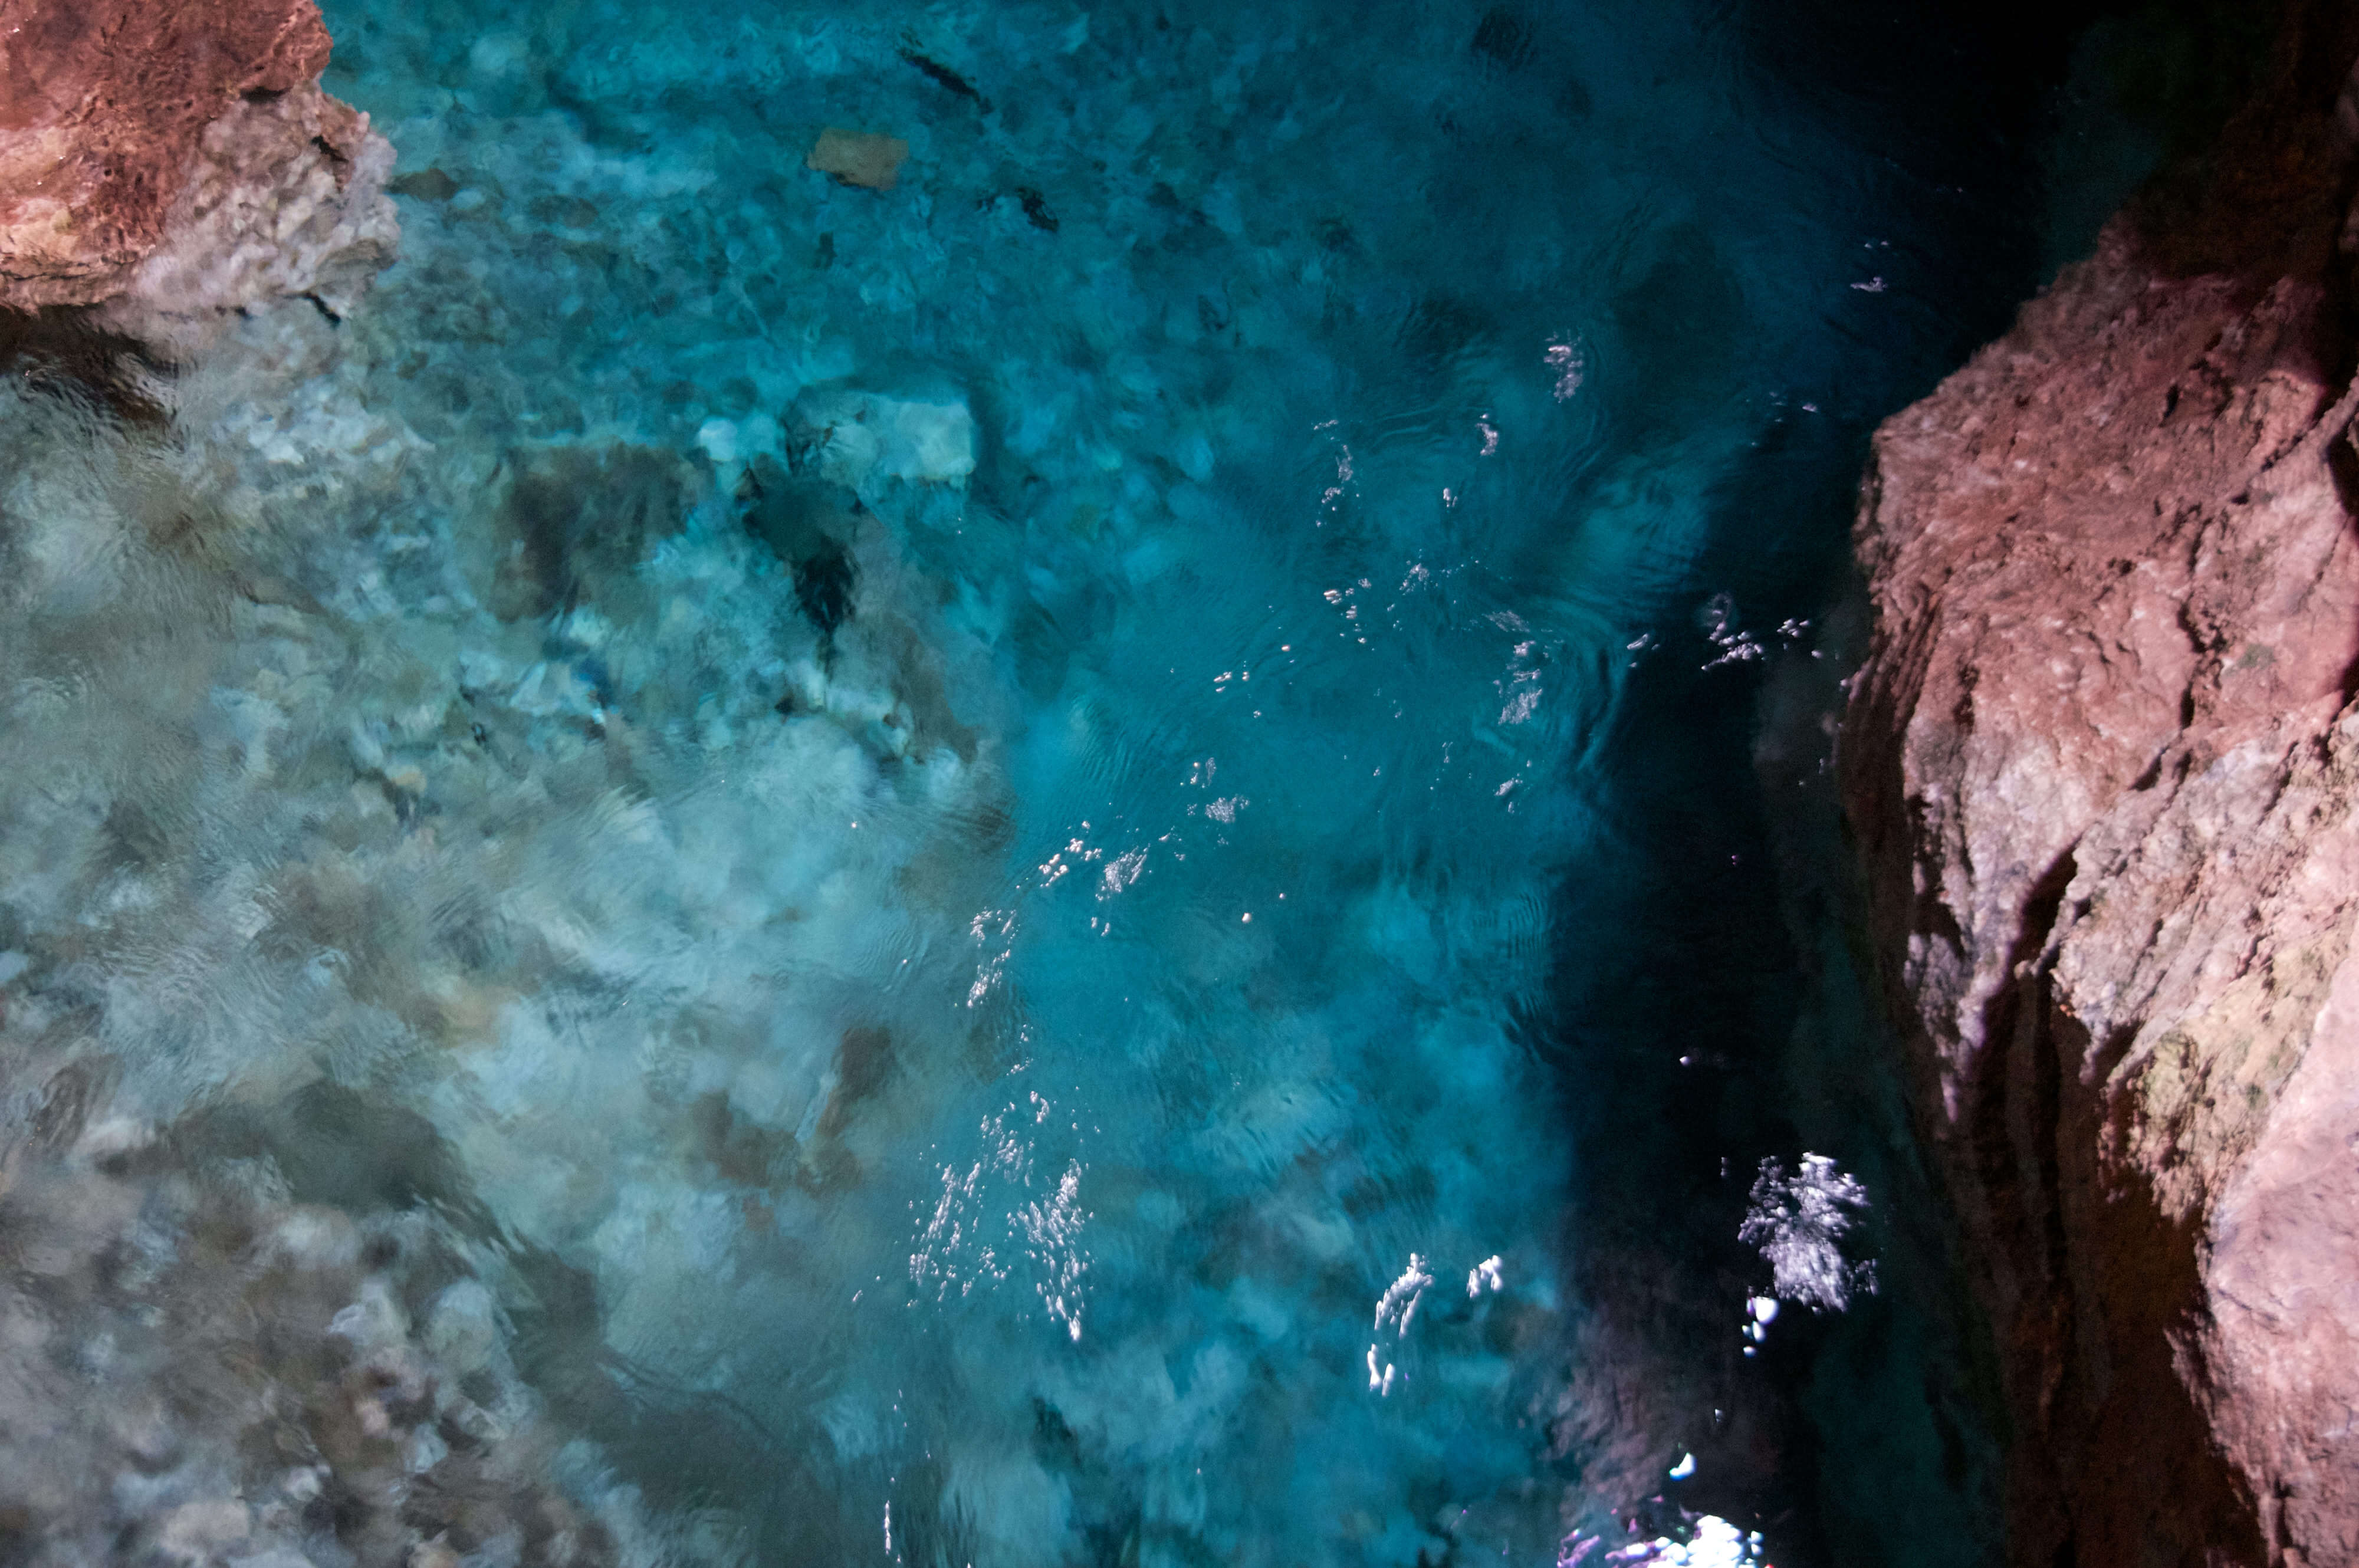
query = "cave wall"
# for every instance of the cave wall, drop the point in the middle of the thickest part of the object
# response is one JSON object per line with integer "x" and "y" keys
{"x": 2100, "y": 763}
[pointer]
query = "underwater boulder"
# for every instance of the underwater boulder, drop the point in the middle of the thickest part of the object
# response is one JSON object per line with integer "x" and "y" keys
{"x": 867, "y": 158}
{"x": 860, "y": 439}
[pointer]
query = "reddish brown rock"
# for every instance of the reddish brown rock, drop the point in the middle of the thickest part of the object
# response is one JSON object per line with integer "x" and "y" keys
{"x": 180, "y": 155}
{"x": 2103, "y": 761}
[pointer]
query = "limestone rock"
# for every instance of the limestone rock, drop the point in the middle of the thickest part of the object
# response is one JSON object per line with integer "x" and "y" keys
{"x": 180, "y": 159}
{"x": 286, "y": 198}
{"x": 2103, "y": 761}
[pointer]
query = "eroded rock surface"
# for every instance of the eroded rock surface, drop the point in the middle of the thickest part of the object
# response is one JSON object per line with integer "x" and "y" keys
{"x": 180, "y": 159}
{"x": 2103, "y": 761}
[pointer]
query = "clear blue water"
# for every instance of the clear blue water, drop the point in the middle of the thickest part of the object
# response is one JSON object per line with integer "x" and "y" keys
{"x": 1039, "y": 850}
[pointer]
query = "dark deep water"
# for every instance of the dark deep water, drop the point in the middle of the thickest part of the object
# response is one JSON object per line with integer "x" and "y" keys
{"x": 1075, "y": 862}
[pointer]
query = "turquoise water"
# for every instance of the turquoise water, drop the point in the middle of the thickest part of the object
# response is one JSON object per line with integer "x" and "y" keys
{"x": 1023, "y": 861}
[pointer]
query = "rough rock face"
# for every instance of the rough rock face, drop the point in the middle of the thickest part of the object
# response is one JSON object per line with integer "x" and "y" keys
{"x": 2103, "y": 761}
{"x": 180, "y": 159}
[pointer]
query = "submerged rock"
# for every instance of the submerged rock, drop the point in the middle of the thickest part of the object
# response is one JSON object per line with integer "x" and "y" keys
{"x": 202, "y": 1369}
{"x": 180, "y": 160}
{"x": 859, "y": 439}
{"x": 2103, "y": 761}
{"x": 867, "y": 158}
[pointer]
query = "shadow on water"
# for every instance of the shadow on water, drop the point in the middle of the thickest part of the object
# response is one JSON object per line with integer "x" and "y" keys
{"x": 65, "y": 352}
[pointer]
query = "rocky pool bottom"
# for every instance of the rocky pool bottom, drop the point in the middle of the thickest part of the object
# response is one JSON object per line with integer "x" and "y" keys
{"x": 1048, "y": 847}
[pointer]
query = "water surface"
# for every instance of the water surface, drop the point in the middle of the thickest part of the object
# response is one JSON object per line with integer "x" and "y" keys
{"x": 1018, "y": 858}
